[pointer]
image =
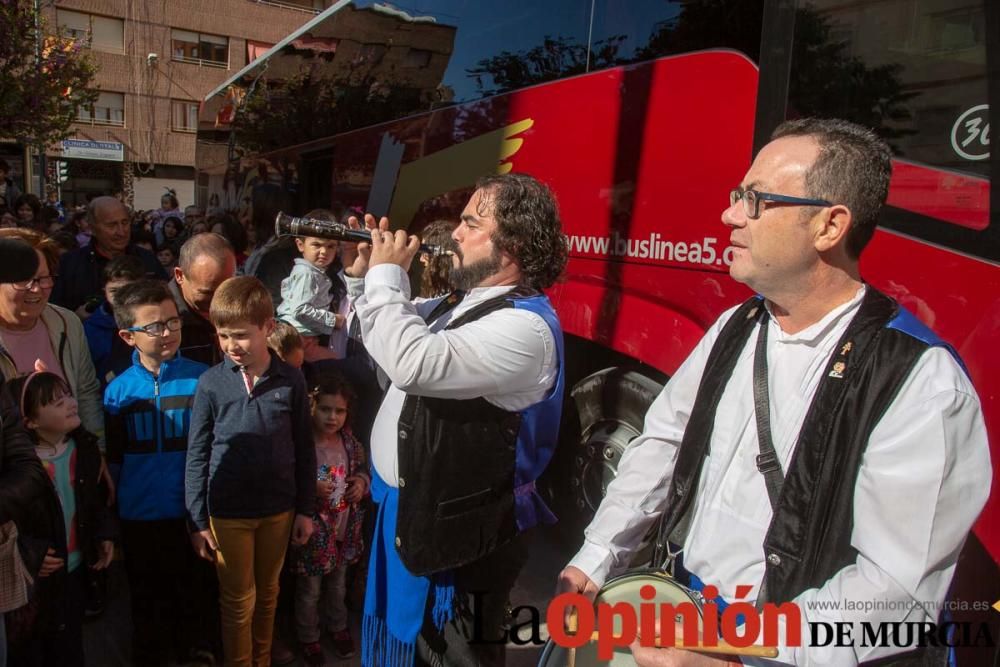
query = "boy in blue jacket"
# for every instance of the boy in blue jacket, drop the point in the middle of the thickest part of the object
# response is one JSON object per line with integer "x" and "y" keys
{"x": 148, "y": 414}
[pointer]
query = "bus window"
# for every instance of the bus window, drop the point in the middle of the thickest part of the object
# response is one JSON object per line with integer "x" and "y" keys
{"x": 916, "y": 72}
{"x": 638, "y": 31}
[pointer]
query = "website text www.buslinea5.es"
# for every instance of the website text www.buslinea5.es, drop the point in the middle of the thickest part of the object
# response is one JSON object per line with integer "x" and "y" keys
{"x": 706, "y": 250}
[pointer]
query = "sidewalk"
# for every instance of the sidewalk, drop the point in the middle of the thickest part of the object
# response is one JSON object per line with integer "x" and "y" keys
{"x": 106, "y": 638}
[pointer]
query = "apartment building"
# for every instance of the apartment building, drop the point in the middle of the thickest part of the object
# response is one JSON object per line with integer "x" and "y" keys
{"x": 157, "y": 59}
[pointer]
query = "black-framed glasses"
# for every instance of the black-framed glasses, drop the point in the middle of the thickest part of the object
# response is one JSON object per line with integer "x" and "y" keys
{"x": 157, "y": 328}
{"x": 752, "y": 199}
{"x": 43, "y": 282}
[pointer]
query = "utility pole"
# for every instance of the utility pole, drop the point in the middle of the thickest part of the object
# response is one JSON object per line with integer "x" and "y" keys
{"x": 29, "y": 176}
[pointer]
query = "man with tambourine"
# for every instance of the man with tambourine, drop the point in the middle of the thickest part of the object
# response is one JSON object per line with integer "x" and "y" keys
{"x": 820, "y": 445}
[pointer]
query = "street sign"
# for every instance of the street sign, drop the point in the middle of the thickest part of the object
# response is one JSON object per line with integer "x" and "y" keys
{"x": 94, "y": 150}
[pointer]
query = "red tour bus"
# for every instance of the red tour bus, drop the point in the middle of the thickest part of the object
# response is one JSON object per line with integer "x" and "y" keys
{"x": 641, "y": 116}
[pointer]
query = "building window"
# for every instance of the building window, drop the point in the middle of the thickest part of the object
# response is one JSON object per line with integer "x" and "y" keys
{"x": 959, "y": 30}
{"x": 256, "y": 49}
{"x": 184, "y": 116}
{"x": 199, "y": 48}
{"x": 371, "y": 54}
{"x": 100, "y": 33}
{"x": 109, "y": 109}
{"x": 417, "y": 58}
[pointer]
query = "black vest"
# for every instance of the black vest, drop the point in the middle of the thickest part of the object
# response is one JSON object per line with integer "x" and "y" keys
{"x": 456, "y": 503}
{"x": 808, "y": 540}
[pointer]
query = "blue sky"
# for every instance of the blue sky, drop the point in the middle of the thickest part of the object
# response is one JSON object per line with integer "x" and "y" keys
{"x": 487, "y": 28}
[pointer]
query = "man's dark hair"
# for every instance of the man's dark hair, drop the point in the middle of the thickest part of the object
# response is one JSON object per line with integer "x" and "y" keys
{"x": 65, "y": 240}
{"x": 853, "y": 169}
{"x": 48, "y": 215}
{"x": 124, "y": 267}
{"x": 269, "y": 199}
{"x": 140, "y": 236}
{"x": 140, "y": 293}
{"x": 4, "y": 166}
{"x": 233, "y": 231}
{"x": 528, "y": 226}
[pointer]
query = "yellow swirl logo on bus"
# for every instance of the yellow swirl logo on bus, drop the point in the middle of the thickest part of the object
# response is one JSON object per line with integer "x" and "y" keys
{"x": 455, "y": 168}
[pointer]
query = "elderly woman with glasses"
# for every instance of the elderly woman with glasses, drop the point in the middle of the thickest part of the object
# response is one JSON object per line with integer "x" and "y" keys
{"x": 34, "y": 333}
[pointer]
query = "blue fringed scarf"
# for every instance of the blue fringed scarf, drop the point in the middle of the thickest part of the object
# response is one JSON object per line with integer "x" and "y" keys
{"x": 395, "y": 599}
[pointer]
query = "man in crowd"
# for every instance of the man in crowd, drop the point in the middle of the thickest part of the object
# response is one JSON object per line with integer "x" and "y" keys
{"x": 193, "y": 214}
{"x": 205, "y": 261}
{"x": 9, "y": 192}
{"x": 80, "y": 283}
{"x": 475, "y": 376}
{"x": 820, "y": 444}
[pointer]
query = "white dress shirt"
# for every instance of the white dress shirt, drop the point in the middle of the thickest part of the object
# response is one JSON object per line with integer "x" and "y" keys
{"x": 924, "y": 478}
{"x": 507, "y": 357}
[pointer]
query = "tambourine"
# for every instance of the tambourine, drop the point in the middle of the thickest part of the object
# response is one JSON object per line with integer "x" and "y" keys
{"x": 626, "y": 589}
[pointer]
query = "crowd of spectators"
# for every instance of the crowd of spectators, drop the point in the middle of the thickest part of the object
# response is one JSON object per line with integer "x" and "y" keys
{"x": 62, "y": 335}
{"x": 161, "y": 231}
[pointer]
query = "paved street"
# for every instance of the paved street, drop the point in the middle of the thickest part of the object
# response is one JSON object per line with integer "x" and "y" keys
{"x": 106, "y": 638}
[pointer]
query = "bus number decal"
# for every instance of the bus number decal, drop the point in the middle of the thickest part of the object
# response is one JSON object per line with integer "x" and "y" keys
{"x": 970, "y": 136}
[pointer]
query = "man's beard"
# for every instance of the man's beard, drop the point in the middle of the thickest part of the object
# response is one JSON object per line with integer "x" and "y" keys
{"x": 467, "y": 276}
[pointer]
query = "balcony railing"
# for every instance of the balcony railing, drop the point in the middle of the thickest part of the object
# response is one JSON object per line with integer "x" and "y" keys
{"x": 201, "y": 62}
{"x": 286, "y": 5}
{"x": 99, "y": 121}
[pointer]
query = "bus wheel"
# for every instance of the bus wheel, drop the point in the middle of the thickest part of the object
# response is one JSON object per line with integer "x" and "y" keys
{"x": 612, "y": 405}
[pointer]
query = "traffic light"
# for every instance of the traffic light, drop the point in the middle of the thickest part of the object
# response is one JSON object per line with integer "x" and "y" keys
{"x": 62, "y": 171}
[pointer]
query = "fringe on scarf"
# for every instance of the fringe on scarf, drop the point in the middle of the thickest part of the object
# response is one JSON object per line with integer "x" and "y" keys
{"x": 444, "y": 599}
{"x": 380, "y": 649}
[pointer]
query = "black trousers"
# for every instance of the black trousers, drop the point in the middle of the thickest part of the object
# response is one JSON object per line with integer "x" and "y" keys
{"x": 54, "y": 636}
{"x": 174, "y": 592}
{"x": 477, "y": 636}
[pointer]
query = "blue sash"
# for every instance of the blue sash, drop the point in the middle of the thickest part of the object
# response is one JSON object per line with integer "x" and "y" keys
{"x": 395, "y": 599}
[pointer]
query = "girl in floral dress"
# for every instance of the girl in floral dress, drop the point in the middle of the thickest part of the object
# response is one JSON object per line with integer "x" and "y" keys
{"x": 342, "y": 482}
